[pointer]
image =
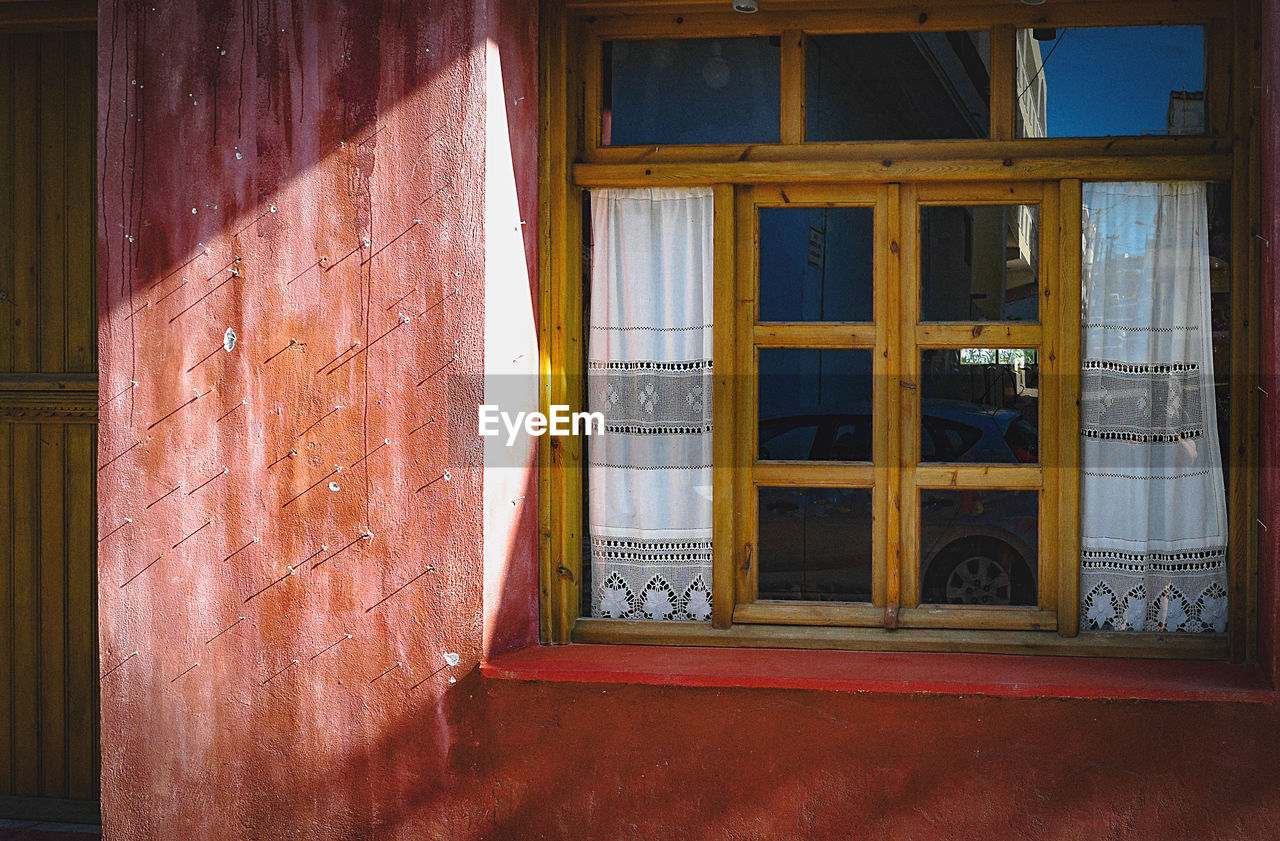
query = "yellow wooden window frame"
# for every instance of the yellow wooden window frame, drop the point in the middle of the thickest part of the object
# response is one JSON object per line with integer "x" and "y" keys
{"x": 894, "y": 176}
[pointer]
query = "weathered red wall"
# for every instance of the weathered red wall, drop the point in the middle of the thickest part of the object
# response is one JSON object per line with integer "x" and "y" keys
{"x": 352, "y": 120}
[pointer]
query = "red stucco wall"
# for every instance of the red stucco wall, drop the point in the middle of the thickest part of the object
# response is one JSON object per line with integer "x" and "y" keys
{"x": 353, "y": 120}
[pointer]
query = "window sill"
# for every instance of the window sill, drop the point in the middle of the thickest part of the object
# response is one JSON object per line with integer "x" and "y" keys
{"x": 1013, "y": 676}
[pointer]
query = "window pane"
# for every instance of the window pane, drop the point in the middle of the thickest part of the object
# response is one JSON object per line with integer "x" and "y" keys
{"x": 815, "y": 544}
{"x": 980, "y": 405}
{"x": 917, "y": 86}
{"x": 979, "y": 263}
{"x": 693, "y": 90}
{"x": 1111, "y": 81}
{"x": 978, "y": 546}
{"x": 816, "y": 263}
{"x": 815, "y": 405}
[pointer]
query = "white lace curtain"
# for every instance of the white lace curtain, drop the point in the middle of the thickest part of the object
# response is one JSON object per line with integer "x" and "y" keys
{"x": 1154, "y": 518}
{"x": 649, "y": 373}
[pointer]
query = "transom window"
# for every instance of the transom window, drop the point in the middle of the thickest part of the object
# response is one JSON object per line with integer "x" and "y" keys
{"x": 900, "y": 346}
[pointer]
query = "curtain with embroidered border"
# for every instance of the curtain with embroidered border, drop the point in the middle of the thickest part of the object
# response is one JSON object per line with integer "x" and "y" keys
{"x": 1153, "y": 504}
{"x": 649, "y": 373}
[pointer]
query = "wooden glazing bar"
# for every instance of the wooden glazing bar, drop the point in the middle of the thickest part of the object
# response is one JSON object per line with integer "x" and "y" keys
{"x": 814, "y": 335}
{"x": 793, "y": 87}
{"x": 745, "y": 273}
{"x": 1004, "y": 101}
{"x": 978, "y": 476}
{"x": 813, "y": 474}
{"x": 886, "y": 442}
{"x": 1050, "y": 376}
{"x": 995, "y": 334}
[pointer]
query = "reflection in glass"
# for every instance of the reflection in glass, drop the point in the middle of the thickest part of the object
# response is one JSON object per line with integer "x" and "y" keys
{"x": 691, "y": 90}
{"x": 918, "y": 86}
{"x": 815, "y": 544}
{"x": 980, "y": 405}
{"x": 978, "y": 547}
{"x": 1111, "y": 81}
{"x": 816, "y": 263}
{"x": 979, "y": 263}
{"x": 815, "y": 405}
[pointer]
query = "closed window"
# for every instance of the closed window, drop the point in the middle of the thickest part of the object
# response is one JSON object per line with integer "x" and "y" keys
{"x": 884, "y": 364}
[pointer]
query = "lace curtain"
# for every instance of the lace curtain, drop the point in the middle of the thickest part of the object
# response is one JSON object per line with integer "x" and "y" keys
{"x": 649, "y": 372}
{"x": 1154, "y": 518}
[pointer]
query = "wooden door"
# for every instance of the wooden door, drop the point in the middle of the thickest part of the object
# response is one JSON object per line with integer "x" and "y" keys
{"x": 48, "y": 416}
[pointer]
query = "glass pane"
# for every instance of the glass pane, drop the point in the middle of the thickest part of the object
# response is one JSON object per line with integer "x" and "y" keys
{"x": 918, "y": 86}
{"x": 815, "y": 405}
{"x": 815, "y": 544}
{"x": 980, "y": 405}
{"x": 1111, "y": 81}
{"x": 693, "y": 90}
{"x": 816, "y": 263}
{"x": 978, "y": 547}
{"x": 979, "y": 263}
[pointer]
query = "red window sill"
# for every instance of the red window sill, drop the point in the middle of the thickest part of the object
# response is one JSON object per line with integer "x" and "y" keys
{"x": 888, "y": 673}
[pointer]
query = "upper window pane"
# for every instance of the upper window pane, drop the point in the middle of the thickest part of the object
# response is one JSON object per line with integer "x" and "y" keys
{"x": 691, "y": 90}
{"x": 918, "y": 86}
{"x": 1111, "y": 81}
{"x": 816, "y": 263}
{"x": 979, "y": 262}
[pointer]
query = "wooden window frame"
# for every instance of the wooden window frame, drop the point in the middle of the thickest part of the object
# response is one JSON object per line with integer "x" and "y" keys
{"x": 896, "y": 174}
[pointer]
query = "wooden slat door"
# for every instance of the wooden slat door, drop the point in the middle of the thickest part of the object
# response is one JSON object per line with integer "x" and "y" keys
{"x": 48, "y": 417}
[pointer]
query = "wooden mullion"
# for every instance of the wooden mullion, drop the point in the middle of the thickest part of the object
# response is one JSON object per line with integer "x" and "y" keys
{"x": 746, "y": 502}
{"x": 726, "y": 431}
{"x": 814, "y": 335}
{"x": 1050, "y": 376}
{"x": 909, "y": 412}
{"x": 793, "y": 86}
{"x": 1004, "y": 94}
{"x": 1068, "y": 413}
{"x": 886, "y": 441}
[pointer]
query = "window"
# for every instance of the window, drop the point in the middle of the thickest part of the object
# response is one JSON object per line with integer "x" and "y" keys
{"x": 891, "y": 271}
